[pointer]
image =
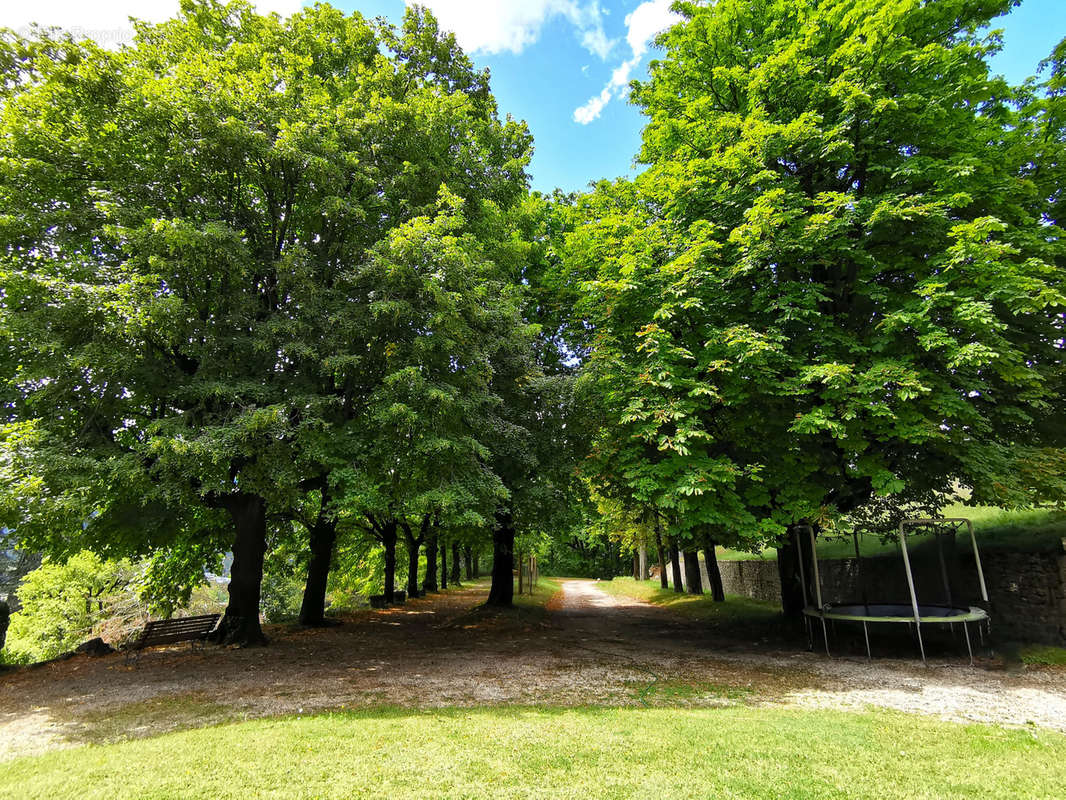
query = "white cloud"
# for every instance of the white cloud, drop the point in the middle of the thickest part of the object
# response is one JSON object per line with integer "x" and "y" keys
{"x": 642, "y": 25}
{"x": 588, "y": 112}
{"x": 497, "y": 26}
{"x": 647, "y": 20}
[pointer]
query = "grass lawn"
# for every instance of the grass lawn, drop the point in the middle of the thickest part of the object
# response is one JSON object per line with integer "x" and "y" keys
{"x": 752, "y": 617}
{"x": 543, "y": 591}
{"x": 736, "y": 752}
{"x": 1035, "y": 529}
{"x": 1043, "y": 654}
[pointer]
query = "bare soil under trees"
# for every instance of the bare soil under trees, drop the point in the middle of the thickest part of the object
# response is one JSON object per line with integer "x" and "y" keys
{"x": 584, "y": 647}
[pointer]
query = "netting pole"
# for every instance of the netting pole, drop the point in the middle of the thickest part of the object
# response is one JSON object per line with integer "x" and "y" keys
{"x": 910, "y": 586}
{"x": 818, "y": 588}
{"x": 977, "y": 558}
{"x": 803, "y": 585}
{"x": 862, "y": 580}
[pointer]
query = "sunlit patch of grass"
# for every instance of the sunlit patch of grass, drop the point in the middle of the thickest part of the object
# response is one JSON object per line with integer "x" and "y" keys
{"x": 738, "y": 616}
{"x": 737, "y": 751}
{"x": 1043, "y": 654}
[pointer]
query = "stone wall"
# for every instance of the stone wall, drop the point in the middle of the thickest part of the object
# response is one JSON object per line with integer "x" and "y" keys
{"x": 1026, "y": 591}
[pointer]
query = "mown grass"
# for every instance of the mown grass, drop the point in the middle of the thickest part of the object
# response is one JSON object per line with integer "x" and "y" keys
{"x": 995, "y": 528}
{"x": 543, "y": 591}
{"x": 1043, "y": 654}
{"x": 755, "y": 618}
{"x": 736, "y": 752}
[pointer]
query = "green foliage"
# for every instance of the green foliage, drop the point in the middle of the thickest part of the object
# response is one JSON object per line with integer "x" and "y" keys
{"x": 282, "y": 588}
{"x": 839, "y": 281}
{"x": 63, "y": 603}
{"x": 236, "y": 256}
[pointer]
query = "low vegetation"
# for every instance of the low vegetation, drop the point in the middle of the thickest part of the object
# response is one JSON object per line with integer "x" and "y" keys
{"x": 737, "y": 614}
{"x": 573, "y": 753}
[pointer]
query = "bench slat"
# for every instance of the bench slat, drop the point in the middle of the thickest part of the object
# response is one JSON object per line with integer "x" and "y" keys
{"x": 179, "y": 629}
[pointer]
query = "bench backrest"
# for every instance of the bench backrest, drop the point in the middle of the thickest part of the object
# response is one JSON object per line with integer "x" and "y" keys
{"x": 179, "y": 629}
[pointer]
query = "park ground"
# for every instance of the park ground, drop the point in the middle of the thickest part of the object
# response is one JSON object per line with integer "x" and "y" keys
{"x": 585, "y": 689}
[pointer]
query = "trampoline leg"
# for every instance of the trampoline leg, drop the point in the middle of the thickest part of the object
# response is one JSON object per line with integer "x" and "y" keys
{"x": 969, "y": 648}
{"x": 810, "y": 633}
{"x": 866, "y": 633}
{"x": 921, "y": 645}
{"x": 825, "y": 634}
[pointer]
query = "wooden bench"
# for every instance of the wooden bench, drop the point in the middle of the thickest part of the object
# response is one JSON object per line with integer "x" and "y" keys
{"x": 171, "y": 631}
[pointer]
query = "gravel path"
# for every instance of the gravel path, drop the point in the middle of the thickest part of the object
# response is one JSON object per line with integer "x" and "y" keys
{"x": 587, "y": 648}
{"x": 948, "y": 689}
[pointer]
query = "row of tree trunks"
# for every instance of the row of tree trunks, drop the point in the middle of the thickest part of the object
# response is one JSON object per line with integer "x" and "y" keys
{"x": 429, "y": 583}
{"x": 662, "y": 556}
{"x": 455, "y": 563}
{"x": 501, "y": 593}
{"x": 468, "y": 561}
{"x": 388, "y": 542}
{"x": 443, "y": 565}
{"x": 675, "y": 563}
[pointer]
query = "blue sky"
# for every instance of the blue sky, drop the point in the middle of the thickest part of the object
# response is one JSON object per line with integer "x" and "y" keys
{"x": 561, "y": 65}
{"x": 545, "y": 79}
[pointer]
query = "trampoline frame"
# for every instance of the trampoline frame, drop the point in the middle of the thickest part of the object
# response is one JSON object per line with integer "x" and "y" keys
{"x": 824, "y": 611}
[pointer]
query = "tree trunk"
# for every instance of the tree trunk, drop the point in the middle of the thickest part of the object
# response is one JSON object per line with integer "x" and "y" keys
{"x": 429, "y": 583}
{"x": 443, "y": 565}
{"x": 388, "y": 541}
{"x": 240, "y": 624}
{"x": 714, "y": 574}
{"x": 468, "y": 561}
{"x": 662, "y": 556}
{"x": 636, "y": 567}
{"x": 502, "y": 591}
{"x": 692, "y": 572}
{"x": 642, "y": 560}
{"x": 322, "y": 538}
{"x": 413, "y": 546}
{"x": 477, "y": 564}
{"x": 675, "y": 558}
{"x": 455, "y": 563}
{"x": 792, "y": 589}
{"x": 5, "y": 618}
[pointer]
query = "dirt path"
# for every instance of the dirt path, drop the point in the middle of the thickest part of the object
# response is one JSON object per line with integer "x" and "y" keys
{"x": 948, "y": 689}
{"x": 589, "y": 648}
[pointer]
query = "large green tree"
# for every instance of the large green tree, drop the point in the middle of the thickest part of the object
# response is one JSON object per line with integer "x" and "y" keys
{"x": 184, "y": 226}
{"x": 836, "y": 281}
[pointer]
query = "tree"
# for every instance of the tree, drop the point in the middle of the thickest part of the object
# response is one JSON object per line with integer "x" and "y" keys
{"x": 184, "y": 226}
{"x": 538, "y": 433}
{"x": 63, "y": 602}
{"x": 835, "y": 282}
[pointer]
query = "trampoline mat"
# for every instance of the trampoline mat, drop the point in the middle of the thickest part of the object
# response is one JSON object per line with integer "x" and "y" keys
{"x": 898, "y": 612}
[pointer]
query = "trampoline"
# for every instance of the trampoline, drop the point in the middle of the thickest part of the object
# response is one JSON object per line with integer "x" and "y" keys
{"x": 913, "y": 614}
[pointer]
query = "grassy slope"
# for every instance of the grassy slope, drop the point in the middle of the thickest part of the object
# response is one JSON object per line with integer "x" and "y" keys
{"x": 995, "y": 528}
{"x": 735, "y": 752}
{"x": 738, "y": 616}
